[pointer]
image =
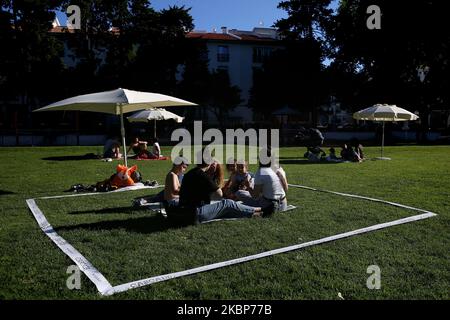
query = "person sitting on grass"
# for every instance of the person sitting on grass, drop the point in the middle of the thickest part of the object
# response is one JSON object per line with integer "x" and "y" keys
{"x": 172, "y": 183}
{"x": 215, "y": 172}
{"x": 270, "y": 186}
{"x": 112, "y": 148}
{"x": 240, "y": 178}
{"x": 136, "y": 145}
{"x": 348, "y": 154}
{"x": 358, "y": 148}
{"x": 156, "y": 149}
{"x": 231, "y": 169}
{"x": 170, "y": 194}
{"x": 196, "y": 193}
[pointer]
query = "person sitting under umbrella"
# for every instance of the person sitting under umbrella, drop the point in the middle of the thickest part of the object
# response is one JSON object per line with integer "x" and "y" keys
{"x": 112, "y": 148}
{"x": 136, "y": 145}
{"x": 156, "y": 150}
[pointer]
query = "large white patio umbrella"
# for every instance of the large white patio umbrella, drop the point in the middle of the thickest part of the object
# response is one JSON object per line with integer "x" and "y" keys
{"x": 116, "y": 102}
{"x": 154, "y": 114}
{"x": 383, "y": 113}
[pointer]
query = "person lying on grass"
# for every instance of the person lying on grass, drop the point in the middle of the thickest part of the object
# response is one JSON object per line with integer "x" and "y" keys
{"x": 144, "y": 153}
{"x": 124, "y": 177}
{"x": 270, "y": 186}
{"x": 197, "y": 191}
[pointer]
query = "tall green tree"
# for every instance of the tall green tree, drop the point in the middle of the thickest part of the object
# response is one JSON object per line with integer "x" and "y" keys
{"x": 294, "y": 76}
{"x": 414, "y": 36}
{"x": 30, "y": 57}
{"x": 222, "y": 96}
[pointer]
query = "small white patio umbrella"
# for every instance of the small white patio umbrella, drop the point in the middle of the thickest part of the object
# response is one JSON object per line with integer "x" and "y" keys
{"x": 383, "y": 113}
{"x": 154, "y": 114}
{"x": 116, "y": 102}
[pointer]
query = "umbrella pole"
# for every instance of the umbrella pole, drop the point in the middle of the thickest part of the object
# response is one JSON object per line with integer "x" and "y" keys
{"x": 382, "y": 142}
{"x": 122, "y": 131}
{"x": 154, "y": 129}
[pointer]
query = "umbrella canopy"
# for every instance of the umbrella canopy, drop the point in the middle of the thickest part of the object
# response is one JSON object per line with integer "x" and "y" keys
{"x": 116, "y": 102}
{"x": 383, "y": 113}
{"x": 112, "y": 101}
{"x": 154, "y": 114}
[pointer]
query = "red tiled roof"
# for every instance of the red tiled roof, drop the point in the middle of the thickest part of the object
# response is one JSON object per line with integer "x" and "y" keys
{"x": 211, "y": 36}
{"x": 247, "y": 37}
{"x": 225, "y": 37}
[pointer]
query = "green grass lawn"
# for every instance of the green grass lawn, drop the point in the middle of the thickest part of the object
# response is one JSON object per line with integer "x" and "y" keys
{"x": 126, "y": 244}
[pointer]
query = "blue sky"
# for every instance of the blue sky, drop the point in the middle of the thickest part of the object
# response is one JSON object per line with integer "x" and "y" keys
{"x": 239, "y": 14}
{"x": 234, "y": 14}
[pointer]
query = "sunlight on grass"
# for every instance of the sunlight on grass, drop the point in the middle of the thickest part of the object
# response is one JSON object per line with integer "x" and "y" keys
{"x": 126, "y": 244}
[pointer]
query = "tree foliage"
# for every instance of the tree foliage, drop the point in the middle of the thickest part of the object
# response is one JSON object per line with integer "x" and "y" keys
{"x": 294, "y": 75}
{"x": 413, "y": 36}
{"x": 29, "y": 54}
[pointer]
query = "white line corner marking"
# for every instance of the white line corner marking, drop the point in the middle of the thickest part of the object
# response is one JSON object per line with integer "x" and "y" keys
{"x": 105, "y": 288}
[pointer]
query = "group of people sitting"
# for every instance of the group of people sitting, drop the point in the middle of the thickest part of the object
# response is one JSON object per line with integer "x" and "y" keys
{"x": 350, "y": 152}
{"x": 202, "y": 195}
{"x": 139, "y": 147}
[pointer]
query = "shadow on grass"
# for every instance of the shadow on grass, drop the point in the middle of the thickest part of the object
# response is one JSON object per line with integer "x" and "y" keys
{"x": 145, "y": 225}
{"x": 290, "y": 158}
{"x": 115, "y": 210}
{"x": 88, "y": 156}
{"x": 3, "y": 192}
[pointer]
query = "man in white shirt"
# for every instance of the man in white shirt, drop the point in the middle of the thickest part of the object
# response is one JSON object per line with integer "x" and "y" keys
{"x": 270, "y": 186}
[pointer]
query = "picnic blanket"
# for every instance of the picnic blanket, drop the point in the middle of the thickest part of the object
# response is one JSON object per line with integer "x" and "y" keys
{"x": 160, "y": 158}
{"x": 159, "y": 208}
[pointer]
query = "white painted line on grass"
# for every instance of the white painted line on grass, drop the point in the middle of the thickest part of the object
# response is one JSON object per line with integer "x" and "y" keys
{"x": 359, "y": 197}
{"x": 89, "y": 270}
{"x": 105, "y": 288}
{"x": 148, "y": 281}
{"x": 130, "y": 188}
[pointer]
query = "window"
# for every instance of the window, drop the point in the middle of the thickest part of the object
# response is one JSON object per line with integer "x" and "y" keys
{"x": 223, "y": 54}
{"x": 260, "y": 54}
{"x": 222, "y": 68}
